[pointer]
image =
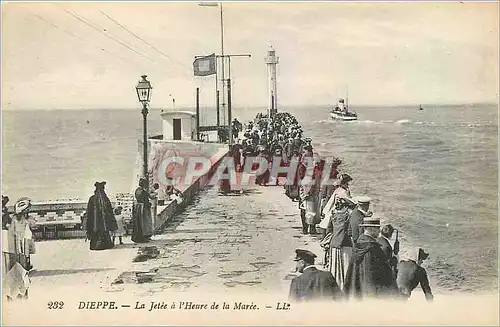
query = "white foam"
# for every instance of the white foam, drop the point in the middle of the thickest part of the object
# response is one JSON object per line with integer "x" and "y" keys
{"x": 403, "y": 121}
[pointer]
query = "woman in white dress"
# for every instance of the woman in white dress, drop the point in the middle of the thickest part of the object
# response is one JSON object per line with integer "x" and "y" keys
{"x": 19, "y": 250}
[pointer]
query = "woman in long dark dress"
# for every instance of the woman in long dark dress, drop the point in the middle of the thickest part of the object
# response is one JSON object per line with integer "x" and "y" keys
{"x": 141, "y": 214}
{"x": 100, "y": 219}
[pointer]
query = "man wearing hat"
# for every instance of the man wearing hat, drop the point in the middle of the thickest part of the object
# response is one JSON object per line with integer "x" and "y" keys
{"x": 357, "y": 216}
{"x": 368, "y": 274}
{"x": 411, "y": 273}
{"x": 312, "y": 284}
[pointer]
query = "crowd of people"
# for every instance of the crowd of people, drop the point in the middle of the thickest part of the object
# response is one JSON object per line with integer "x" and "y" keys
{"x": 359, "y": 259}
{"x": 280, "y": 137}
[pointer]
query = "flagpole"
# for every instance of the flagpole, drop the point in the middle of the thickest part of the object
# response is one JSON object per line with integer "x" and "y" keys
{"x": 222, "y": 63}
{"x": 223, "y": 73}
{"x": 217, "y": 94}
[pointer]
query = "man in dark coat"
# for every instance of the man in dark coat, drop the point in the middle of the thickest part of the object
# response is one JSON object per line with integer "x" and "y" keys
{"x": 312, "y": 284}
{"x": 410, "y": 274}
{"x": 236, "y": 128}
{"x": 383, "y": 240}
{"x": 357, "y": 216}
{"x": 368, "y": 274}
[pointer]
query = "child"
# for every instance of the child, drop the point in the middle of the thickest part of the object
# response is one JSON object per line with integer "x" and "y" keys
{"x": 121, "y": 225}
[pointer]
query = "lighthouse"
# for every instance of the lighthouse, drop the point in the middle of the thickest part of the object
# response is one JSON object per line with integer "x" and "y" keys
{"x": 271, "y": 62}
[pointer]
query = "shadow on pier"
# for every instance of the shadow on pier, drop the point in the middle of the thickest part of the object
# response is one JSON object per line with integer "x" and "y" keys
{"x": 57, "y": 272}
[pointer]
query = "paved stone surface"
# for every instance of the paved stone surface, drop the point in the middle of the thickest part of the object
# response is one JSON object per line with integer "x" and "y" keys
{"x": 70, "y": 264}
{"x": 233, "y": 242}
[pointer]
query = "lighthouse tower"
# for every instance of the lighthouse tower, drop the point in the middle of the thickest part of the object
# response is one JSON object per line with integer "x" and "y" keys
{"x": 271, "y": 62}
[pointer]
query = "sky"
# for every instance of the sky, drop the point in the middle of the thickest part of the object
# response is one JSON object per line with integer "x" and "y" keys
{"x": 377, "y": 53}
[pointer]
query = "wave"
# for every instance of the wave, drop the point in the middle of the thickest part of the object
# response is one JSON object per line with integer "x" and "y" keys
{"x": 403, "y": 121}
{"x": 376, "y": 122}
{"x": 475, "y": 124}
{"x": 325, "y": 121}
{"x": 369, "y": 122}
{"x": 410, "y": 122}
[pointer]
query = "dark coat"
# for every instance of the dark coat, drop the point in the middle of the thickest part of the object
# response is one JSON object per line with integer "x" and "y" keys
{"x": 100, "y": 221}
{"x": 391, "y": 259}
{"x": 386, "y": 247}
{"x": 355, "y": 220}
{"x": 6, "y": 219}
{"x": 338, "y": 225}
{"x": 100, "y": 215}
{"x": 368, "y": 273}
{"x": 314, "y": 284}
{"x": 142, "y": 227}
{"x": 409, "y": 276}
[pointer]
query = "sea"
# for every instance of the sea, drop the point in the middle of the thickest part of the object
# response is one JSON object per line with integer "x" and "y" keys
{"x": 432, "y": 173}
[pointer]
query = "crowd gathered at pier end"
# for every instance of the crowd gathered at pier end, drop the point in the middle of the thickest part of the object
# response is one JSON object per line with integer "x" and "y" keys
{"x": 359, "y": 259}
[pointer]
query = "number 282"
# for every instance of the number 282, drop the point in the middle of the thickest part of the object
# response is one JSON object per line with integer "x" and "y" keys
{"x": 55, "y": 305}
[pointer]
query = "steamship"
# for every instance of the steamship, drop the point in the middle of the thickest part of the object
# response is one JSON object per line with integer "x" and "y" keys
{"x": 341, "y": 112}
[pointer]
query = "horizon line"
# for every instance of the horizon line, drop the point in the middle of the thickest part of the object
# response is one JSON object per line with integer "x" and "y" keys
{"x": 284, "y": 106}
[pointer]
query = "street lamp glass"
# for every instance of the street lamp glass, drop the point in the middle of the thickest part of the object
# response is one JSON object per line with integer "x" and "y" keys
{"x": 143, "y": 89}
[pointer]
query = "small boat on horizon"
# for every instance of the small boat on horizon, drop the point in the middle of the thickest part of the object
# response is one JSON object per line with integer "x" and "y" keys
{"x": 420, "y": 107}
{"x": 341, "y": 112}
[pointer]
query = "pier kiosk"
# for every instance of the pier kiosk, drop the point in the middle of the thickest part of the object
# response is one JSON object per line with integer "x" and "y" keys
{"x": 178, "y": 140}
{"x": 179, "y": 125}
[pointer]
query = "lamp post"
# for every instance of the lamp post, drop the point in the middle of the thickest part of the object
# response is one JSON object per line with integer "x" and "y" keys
{"x": 143, "y": 89}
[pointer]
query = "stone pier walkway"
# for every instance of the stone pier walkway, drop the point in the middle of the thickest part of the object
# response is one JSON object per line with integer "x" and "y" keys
{"x": 239, "y": 241}
{"x": 70, "y": 265}
{"x": 243, "y": 242}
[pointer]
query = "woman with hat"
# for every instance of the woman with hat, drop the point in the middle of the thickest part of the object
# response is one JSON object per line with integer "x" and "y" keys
{"x": 101, "y": 220}
{"x": 340, "y": 249}
{"x": 16, "y": 235}
{"x": 342, "y": 191}
{"x": 17, "y": 245}
{"x": 327, "y": 189}
{"x": 22, "y": 235}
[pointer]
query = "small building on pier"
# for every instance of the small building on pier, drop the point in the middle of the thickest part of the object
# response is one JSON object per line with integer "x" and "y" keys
{"x": 179, "y": 125}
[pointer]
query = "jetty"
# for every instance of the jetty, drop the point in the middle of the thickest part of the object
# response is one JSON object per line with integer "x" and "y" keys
{"x": 201, "y": 234}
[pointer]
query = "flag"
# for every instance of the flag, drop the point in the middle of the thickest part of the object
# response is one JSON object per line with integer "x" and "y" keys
{"x": 204, "y": 66}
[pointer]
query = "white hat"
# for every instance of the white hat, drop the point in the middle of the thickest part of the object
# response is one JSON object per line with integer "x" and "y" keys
{"x": 363, "y": 199}
{"x": 22, "y": 205}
